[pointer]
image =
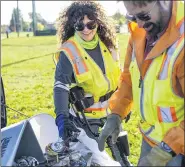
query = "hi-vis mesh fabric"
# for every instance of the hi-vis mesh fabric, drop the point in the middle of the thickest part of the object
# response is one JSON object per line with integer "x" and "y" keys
{"x": 90, "y": 77}
{"x": 159, "y": 107}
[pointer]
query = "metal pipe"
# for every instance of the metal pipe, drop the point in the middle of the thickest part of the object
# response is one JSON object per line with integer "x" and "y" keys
{"x": 34, "y": 17}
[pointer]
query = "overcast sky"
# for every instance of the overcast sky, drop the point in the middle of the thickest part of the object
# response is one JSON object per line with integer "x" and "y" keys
{"x": 49, "y": 10}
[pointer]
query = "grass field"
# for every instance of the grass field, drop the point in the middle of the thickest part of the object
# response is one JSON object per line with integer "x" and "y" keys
{"x": 27, "y": 69}
{"x": 14, "y": 34}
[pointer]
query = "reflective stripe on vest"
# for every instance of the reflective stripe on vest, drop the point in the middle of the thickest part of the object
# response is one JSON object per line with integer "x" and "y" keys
{"x": 168, "y": 114}
{"x": 176, "y": 47}
{"x": 99, "y": 106}
{"x": 161, "y": 108}
{"x": 165, "y": 114}
{"x": 78, "y": 62}
{"x": 90, "y": 77}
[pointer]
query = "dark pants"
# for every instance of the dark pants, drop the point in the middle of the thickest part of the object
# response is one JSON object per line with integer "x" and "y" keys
{"x": 146, "y": 148}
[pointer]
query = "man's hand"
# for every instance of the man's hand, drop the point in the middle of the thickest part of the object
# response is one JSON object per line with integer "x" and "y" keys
{"x": 112, "y": 127}
{"x": 65, "y": 126}
{"x": 156, "y": 157}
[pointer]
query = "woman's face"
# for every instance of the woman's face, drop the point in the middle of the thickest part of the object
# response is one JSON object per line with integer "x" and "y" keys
{"x": 86, "y": 28}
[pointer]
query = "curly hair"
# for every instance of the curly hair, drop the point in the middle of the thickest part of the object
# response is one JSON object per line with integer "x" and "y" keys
{"x": 76, "y": 12}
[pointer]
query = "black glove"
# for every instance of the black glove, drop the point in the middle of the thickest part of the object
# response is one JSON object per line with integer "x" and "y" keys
{"x": 65, "y": 126}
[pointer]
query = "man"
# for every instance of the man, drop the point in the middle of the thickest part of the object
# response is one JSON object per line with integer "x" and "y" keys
{"x": 153, "y": 80}
{"x": 7, "y": 32}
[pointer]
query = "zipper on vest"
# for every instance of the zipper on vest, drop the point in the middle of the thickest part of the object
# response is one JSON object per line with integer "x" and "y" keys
{"x": 141, "y": 97}
{"x": 140, "y": 82}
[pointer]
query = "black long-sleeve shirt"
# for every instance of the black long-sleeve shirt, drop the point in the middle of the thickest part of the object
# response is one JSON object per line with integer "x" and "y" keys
{"x": 64, "y": 76}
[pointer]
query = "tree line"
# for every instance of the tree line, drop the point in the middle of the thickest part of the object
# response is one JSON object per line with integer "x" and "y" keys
{"x": 17, "y": 23}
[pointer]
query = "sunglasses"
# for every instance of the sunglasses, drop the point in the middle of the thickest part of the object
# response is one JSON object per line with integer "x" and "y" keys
{"x": 141, "y": 16}
{"x": 80, "y": 26}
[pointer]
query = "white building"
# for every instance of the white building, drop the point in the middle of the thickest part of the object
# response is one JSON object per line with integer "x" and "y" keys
{"x": 124, "y": 29}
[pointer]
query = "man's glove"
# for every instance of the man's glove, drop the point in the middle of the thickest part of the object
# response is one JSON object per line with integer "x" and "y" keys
{"x": 112, "y": 127}
{"x": 156, "y": 157}
{"x": 65, "y": 126}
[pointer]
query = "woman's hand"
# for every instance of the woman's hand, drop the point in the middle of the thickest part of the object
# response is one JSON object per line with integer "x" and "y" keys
{"x": 65, "y": 126}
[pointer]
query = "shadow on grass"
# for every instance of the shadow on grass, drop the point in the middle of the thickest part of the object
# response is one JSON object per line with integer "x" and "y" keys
{"x": 17, "y": 62}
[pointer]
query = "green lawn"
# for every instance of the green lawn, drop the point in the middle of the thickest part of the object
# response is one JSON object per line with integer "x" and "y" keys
{"x": 15, "y": 35}
{"x": 28, "y": 75}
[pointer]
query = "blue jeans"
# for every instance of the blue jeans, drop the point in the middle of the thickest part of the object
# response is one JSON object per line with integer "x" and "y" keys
{"x": 146, "y": 148}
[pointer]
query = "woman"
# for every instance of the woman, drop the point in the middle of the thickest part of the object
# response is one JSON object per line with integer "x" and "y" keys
{"x": 87, "y": 59}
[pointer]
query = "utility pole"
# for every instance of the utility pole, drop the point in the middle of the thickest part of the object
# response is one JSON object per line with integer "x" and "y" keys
{"x": 14, "y": 23}
{"x": 34, "y": 18}
{"x": 21, "y": 26}
{"x": 17, "y": 19}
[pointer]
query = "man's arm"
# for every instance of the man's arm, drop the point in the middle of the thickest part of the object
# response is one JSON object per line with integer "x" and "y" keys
{"x": 175, "y": 136}
{"x": 121, "y": 101}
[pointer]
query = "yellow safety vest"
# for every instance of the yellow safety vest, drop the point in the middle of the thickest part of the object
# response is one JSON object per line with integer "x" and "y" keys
{"x": 90, "y": 77}
{"x": 159, "y": 107}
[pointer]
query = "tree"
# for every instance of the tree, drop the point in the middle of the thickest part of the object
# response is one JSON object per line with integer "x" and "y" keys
{"x": 25, "y": 26}
{"x": 40, "y": 26}
{"x": 119, "y": 18}
{"x": 15, "y": 22}
{"x": 39, "y": 19}
{"x": 112, "y": 20}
